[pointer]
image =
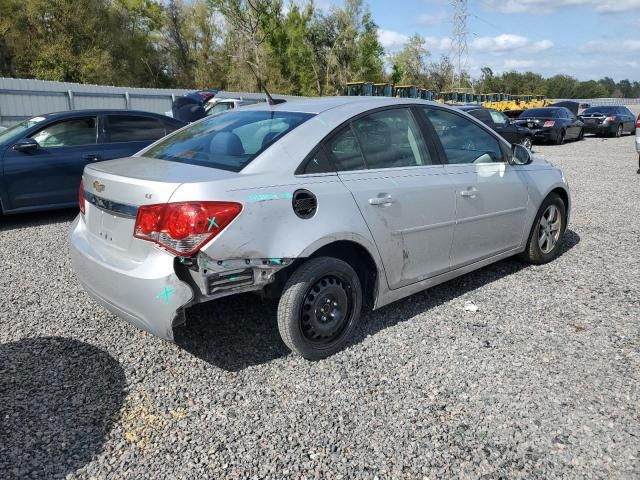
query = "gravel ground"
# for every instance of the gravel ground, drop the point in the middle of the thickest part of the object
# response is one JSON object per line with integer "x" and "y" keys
{"x": 541, "y": 382}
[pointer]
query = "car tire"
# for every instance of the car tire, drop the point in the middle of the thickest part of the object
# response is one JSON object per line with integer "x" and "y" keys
{"x": 560, "y": 139}
{"x": 319, "y": 307}
{"x": 618, "y": 132}
{"x": 527, "y": 142}
{"x": 538, "y": 251}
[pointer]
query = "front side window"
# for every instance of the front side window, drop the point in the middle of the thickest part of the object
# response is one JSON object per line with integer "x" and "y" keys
{"x": 498, "y": 118}
{"x": 228, "y": 141}
{"x": 68, "y": 133}
{"x": 390, "y": 139}
{"x": 131, "y": 128}
{"x": 464, "y": 141}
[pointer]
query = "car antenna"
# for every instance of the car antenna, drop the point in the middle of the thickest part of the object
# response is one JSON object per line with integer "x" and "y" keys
{"x": 270, "y": 100}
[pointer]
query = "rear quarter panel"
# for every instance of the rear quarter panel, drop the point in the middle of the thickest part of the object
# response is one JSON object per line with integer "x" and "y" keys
{"x": 267, "y": 227}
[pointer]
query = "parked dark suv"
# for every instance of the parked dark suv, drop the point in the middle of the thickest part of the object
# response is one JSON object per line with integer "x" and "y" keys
{"x": 609, "y": 120}
{"x": 42, "y": 159}
{"x": 552, "y": 124}
{"x": 498, "y": 121}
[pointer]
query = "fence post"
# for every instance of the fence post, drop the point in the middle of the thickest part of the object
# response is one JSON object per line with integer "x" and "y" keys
{"x": 70, "y": 95}
{"x": 127, "y": 101}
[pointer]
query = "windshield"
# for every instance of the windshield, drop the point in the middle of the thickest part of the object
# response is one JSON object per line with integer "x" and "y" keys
{"x": 600, "y": 110}
{"x": 537, "y": 112}
{"x": 229, "y": 140}
{"x": 19, "y": 128}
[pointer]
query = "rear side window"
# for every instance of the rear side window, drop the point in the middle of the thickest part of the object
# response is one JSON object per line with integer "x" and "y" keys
{"x": 131, "y": 128}
{"x": 464, "y": 141}
{"x": 229, "y": 140}
{"x": 345, "y": 152}
{"x": 68, "y": 133}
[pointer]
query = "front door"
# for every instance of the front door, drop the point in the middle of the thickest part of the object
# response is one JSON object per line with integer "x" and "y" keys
{"x": 491, "y": 195}
{"x": 503, "y": 125}
{"x": 403, "y": 193}
{"x": 49, "y": 175}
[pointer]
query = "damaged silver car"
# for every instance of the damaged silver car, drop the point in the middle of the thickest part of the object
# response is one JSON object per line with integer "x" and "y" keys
{"x": 334, "y": 205}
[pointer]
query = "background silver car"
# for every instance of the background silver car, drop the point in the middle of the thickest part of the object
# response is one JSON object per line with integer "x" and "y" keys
{"x": 335, "y": 204}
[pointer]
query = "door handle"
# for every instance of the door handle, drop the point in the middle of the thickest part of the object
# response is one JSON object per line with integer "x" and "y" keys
{"x": 92, "y": 157}
{"x": 383, "y": 200}
{"x": 471, "y": 192}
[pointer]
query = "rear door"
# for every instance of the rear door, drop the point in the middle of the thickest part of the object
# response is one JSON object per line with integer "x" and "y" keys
{"x": 491, "y": 195}
{"x": 125, "y": 134}
{"x": 401, "y": 189}
{"x": 49, "y": 175}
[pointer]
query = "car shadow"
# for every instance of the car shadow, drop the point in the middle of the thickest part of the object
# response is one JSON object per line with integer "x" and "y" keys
{"x": 59, "y": 398}
{"x": 240, "y": 331}
{"x": 36, "y": 219}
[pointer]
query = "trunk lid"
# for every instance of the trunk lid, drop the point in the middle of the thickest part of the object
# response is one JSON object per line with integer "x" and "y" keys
{"x": 116, "y": 188}
{"x": 534, "y": 123}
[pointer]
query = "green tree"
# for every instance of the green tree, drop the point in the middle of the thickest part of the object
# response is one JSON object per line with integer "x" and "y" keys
{"x": 561, "y": 86}
{"x": 590, "y": 89}
{"x": 412, "y": 61}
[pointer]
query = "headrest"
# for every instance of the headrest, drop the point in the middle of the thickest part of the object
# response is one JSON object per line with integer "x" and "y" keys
{"x": 226, "y": 143}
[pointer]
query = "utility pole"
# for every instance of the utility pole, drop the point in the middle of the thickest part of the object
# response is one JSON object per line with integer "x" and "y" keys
{"x": 459, "y": 41}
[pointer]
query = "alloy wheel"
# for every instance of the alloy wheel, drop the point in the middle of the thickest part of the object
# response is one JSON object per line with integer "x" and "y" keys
{"x": 549, "y": 229}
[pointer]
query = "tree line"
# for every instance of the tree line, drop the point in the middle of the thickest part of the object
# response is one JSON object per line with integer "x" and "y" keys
{"x": 238, "y": 45}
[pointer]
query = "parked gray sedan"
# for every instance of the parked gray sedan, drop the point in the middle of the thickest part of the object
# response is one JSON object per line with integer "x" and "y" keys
{"x": 335, "y": 205}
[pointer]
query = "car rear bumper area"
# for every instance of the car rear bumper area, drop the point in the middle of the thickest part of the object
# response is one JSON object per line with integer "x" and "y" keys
{"x": 638, "y": 143}
{"x": 146, "y": 294}
{"x": 598, "y": 129}
{"x": 545, "y": 135}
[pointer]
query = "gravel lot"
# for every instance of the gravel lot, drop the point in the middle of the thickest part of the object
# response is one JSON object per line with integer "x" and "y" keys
{"x": 541, "y": 382}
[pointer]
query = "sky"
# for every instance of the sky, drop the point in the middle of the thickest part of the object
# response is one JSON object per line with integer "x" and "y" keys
{"x": 588, "y": 39}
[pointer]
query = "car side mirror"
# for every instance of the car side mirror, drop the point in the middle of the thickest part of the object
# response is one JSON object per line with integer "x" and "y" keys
{"x": 520, "y": 155}
{"x": 25, "y": 145}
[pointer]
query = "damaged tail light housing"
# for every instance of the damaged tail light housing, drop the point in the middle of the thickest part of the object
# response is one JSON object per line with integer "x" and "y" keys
{"x": 549, "y": 123}
{"x": 610, "y": 118}
{"x": 81, "y": 204}
{"x": 638, "y": 122}
{"x": 184, "y": 227}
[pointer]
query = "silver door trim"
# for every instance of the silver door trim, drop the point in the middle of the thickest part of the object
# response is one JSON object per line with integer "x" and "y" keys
{"x": 424, "y": 227}
{"x": 489, "y": 215}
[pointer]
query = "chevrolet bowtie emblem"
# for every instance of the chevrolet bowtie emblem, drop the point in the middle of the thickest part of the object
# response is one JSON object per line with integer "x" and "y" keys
{"x": 98, "y": 186}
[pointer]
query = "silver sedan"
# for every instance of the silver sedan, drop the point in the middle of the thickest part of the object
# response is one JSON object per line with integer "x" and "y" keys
{"x": 334, "y": 205}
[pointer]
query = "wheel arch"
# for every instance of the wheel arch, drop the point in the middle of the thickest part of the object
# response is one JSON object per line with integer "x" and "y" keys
{"x": 361, "y": 260}
{"x": 566, "y": 198}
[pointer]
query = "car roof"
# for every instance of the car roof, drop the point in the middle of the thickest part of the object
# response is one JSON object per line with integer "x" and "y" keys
{"x": 98, "y": 111}
{"x": 324, "y": 104}
{"x": 465, "y": 108}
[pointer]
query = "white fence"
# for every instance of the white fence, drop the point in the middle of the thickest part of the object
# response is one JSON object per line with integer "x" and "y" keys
{"x": 24, "y": 98}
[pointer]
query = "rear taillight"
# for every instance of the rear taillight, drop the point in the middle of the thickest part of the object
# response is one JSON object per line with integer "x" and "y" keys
{"x": 184, "y": 227}
{"x": 81, "y": 197}
{"x": 549, "y": 123}
{"x": 638, "y": 122}
{"x": 610, "y": 118}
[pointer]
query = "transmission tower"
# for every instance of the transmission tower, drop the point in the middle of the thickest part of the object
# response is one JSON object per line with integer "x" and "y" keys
{"x": 459, "y": 41}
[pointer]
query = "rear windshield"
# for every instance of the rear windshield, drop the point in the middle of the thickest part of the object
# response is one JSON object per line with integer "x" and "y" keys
{"x": 228, "y": 140}
{"x": 538, "y": 112}
{"x": 601, "y": 110}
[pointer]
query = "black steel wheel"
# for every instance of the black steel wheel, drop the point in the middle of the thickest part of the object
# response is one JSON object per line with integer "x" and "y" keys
{"x": 319, "y": 307}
